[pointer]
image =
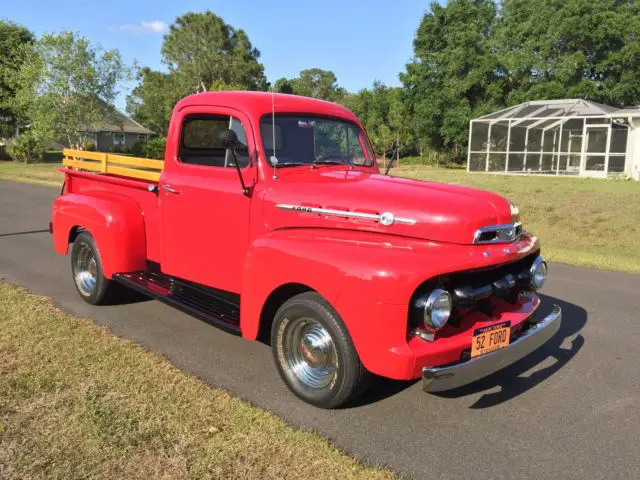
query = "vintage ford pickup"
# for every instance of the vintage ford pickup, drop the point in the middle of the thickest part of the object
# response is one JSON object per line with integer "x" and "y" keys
{"x": 268, "y": 217}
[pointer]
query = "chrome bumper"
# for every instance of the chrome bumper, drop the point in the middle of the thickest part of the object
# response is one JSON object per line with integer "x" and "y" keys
{"x": 438, "y": 379}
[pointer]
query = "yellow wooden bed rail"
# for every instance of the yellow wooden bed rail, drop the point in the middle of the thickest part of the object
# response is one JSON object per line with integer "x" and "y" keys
{"x": 134, "y": 167}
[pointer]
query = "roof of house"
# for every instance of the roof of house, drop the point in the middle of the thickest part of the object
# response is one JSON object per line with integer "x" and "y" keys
{"x": 116, "y": 121}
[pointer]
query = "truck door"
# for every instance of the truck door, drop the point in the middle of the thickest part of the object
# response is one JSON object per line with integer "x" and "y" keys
{"x": 205, "y": 215}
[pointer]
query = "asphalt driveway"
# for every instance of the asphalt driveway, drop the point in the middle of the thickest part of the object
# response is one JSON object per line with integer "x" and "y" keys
{"x": 571, "y": 410}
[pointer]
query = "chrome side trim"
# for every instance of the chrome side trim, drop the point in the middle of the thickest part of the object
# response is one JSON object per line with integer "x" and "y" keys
{"x": 386, "y": 218}
{"x": 438, "y": 379}
{"x": 504, "y": 233}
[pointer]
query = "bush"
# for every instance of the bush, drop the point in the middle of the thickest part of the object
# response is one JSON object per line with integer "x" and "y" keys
{"x": 136, "y": 149}
{"x": 5, "y": 152}
{"x": 52, "y": 156}
{"x": 27, "y": 148}
{"x": 431, "y": 158}
{"x": 153, "y": 147}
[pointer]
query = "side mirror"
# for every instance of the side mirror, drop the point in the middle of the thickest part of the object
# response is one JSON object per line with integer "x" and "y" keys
{"x": 228, "y": 138}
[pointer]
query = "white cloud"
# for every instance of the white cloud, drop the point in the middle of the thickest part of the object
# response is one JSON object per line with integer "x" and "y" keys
{"x": 145, "y": 27}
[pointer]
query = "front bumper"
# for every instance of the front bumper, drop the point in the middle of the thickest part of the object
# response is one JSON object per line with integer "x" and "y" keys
{"x": 438, "y": 379}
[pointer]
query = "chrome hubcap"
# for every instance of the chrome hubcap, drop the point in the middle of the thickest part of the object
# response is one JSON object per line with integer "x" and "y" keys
{"x": 85, "y": 270}
{"x": 310, "y": 353}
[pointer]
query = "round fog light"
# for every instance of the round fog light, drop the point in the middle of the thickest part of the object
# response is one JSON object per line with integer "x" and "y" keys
{"x": 437, "y": 309}
{"x": 538, "y": 273}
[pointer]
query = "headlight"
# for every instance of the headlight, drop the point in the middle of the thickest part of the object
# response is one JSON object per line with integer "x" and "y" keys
{"x": 538, "y": 273}
{"x": 437, "y": 309}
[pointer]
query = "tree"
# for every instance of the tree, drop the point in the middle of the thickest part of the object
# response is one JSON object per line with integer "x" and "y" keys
{"x": 202, "y": 49}
{"x": 455, "y": 74}
{"x": 284, "y": 85}
{"x": 318, "y": 83}
{"x": 63, "y": 85}
{"x": 15, "y": 41}
{"x": 382, "y": 111}
{"x": 571, "y": 49}
{"x": 313, "y": 82}
{"x": 151, "y": 102}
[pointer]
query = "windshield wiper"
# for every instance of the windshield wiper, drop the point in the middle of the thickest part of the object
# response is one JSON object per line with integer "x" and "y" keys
{"x": 290, "y": 164}
{"x": 329, "y": 162}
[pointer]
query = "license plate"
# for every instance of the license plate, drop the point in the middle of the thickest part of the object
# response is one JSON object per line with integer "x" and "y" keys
{"x": 491, "y": 338}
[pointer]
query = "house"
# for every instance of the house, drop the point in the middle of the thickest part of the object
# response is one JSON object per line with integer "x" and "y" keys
{"x": 117, "y": 133}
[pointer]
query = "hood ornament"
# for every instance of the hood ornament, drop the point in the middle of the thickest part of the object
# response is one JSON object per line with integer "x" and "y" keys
{"x": 386, "y": 218}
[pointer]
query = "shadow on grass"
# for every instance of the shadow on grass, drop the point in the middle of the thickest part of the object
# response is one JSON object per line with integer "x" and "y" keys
{"x": 512, "y": 380}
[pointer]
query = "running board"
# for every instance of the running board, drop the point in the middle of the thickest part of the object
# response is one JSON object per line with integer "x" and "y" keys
{"x": 218, "y": 308}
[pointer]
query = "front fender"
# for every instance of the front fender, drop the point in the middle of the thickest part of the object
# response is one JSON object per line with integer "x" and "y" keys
{"x": 368, "y": 278}
{"x": 348, "y": 269}
{"x": 115, "y": 222}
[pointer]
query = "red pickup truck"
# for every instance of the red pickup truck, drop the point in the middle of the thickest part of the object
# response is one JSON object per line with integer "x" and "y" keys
{"x": 269, "y": 218}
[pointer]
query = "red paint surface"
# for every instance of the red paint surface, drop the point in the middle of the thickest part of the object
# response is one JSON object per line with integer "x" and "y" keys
{"x": 212, "y": 234}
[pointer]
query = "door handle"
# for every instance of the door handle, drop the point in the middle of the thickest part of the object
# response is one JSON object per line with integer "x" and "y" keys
{"x": 169, "y": 189}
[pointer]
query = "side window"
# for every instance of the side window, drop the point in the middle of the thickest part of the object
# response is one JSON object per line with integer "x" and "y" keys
{"x": 200, "y": 141}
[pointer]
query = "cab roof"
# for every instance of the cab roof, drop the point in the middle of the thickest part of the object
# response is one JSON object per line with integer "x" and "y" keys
{"x": 257, "y": 104}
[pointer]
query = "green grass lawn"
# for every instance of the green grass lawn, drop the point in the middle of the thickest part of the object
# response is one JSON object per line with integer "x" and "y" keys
{"x": 589, "y": 222}
{"x": 42, "y": 173}
{"x": 581, "y": 221}
{"x": 78, "y": 402}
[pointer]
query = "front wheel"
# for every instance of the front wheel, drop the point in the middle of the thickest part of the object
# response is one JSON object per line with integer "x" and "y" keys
{"x": 86, "y": 269}
{"x": 314, "y": 352}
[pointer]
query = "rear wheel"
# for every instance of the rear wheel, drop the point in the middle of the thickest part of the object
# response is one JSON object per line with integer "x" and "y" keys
{"x": 314, "y": 352}
{"x": 86, "y": 269}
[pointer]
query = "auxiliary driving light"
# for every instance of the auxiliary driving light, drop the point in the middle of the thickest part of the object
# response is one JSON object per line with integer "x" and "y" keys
{"x": 437, "y": 309}
{"x": 538, "y": 273}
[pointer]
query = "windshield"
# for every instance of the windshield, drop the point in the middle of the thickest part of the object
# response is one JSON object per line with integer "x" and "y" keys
{"x": 301, "y": 140}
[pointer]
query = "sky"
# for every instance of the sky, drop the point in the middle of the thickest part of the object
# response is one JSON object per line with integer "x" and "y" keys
{"x": 359, "y": 40}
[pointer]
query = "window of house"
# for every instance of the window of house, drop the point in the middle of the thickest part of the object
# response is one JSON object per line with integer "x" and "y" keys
{"x": 200, "y": 143}
{"x": 118, "y": 138}
{"x": 142, "y": 137}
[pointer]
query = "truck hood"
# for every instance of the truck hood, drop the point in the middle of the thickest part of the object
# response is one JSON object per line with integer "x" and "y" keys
{"x": 425, "y": 210}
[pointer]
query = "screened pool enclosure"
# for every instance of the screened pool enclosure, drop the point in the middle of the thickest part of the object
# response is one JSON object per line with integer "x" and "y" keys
{"x": 554, "y": 137}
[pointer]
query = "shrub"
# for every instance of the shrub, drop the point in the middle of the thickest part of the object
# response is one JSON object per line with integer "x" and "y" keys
{"x": 136, "y": 149}
{"x": 52, "y": 156}
{"x": 153, "y": 147}
{"x": 5, "y": 152}
{"x": 27, "y": 148}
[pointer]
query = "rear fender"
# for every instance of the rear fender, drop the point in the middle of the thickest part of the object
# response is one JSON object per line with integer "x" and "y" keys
{"x": 115, "y": 222}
